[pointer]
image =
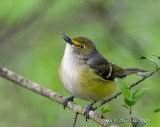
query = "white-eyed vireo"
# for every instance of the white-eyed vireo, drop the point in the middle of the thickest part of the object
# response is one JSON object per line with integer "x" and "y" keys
{"x": 86, "y": 74}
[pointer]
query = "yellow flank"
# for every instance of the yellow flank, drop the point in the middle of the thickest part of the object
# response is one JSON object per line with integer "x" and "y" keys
{"x": 59, "y": 76}
{"x": 93, "y": 86}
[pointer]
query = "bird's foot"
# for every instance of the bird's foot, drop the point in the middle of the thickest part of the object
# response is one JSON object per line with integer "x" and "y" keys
{"x": 67, "y": 100}
{"x": 86, "y": 113}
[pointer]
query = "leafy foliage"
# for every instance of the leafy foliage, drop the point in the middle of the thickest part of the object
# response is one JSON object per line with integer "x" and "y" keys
{"x": 153, "y": 61}
{"x": 105, "y": 110}
{"x": 129, "y": 99}
{"x": 123, "y": 87}
{"x": 157, "y": 110}
{"x": 153, "y": 54}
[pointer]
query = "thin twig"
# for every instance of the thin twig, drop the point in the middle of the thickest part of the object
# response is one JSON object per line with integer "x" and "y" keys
{"x": 19, "y": 80}
{"x": 132, "y": 85}
{"x": 74, "y": 119}
{"x": 136, "y": 83}
{"x": 130, "y": 112}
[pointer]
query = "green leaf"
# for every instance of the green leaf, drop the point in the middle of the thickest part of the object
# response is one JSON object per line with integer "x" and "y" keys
{"x": 137, "y": 122}
{"x": 125, "y": 106}
{"x": 154, "y": 62}
{"x": 138, "y": 93}
{"x": 143, "y": 57}
{"x": 157, "y": 110}
{"x": 123, "y": 87}
{"x": 129, "y": 101}
{"x": 153, "y": 54}
{"x": 105, "y": 110}
{"x": 135, "y": 97}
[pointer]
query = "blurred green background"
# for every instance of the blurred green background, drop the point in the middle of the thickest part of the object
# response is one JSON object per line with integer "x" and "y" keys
{"x": 31, "y": 45}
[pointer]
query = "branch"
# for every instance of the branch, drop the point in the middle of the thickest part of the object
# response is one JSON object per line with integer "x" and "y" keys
{"x": 132, "y": 85}
{"x": 74, "y": 119}
{"x": 19, "y": 80}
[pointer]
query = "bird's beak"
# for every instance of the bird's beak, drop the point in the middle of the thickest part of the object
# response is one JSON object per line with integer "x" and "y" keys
{"x": 67, "y": 39}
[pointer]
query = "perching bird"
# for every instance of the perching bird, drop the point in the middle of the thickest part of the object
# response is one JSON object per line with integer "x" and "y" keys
{"x": 86, "y": 74}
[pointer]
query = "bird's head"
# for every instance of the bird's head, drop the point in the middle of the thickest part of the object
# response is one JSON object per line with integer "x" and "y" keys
{"x": 80, "y": 45}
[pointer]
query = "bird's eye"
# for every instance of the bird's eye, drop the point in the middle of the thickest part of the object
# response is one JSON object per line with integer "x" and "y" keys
{"x": 81, "y": 46}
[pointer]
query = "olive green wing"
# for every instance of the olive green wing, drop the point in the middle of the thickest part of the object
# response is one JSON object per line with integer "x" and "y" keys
{"x": 110, "y": 71}
{"x": 117, "y": 72}
{"x": 106, "y": 70}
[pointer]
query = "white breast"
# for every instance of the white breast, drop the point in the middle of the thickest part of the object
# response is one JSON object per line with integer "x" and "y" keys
{"x": 69, "y": 72}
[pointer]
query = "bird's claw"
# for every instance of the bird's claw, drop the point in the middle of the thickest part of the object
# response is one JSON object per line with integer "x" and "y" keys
{"x": 67, "y": 100}
{"x": 86, "y": 113}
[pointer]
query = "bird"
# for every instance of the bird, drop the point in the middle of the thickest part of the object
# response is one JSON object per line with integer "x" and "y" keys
{"x": 86, "y": 74}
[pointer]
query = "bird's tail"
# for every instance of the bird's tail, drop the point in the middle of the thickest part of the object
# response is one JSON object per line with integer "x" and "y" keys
{"x": 129, "y": 71}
